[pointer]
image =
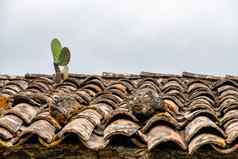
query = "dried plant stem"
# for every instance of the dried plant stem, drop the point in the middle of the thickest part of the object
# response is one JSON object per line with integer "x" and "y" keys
{"x": 57, "y": 73}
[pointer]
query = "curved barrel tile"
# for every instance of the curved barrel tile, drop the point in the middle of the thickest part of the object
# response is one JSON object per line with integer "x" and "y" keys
{"x": 232, "y": 114}
{"x": 65, "y": 103}
{"x": 80, "y": 126}
{"x": 108, "y": 98}
{"x": 229, "y": 106}
{"x": 118, "y": 93}
{"x": 40, "y": 85}
{"x": 197, "y": 85}
{"x": 73, "y": 82}
{"x": 172, "y": 85}
{"x": 204, "y": 139}
{"x": 13, "y": 87}
{"x": 24, "y": 111}
{"x": 200, "y": 112}
{"x": 42, "y": 128}
{"x": 90, "y": 92}
{"x": 11, "y": 122}
{"x": 174, "y": 81}
{"x": 22, "y": 84}
{"x": 225, "y": 101}
{"x": 228, "y": 123}
{"x": 83, "y": 96}
{"x": 128, "y": 85}
{"x": 28, "y": 98}
{"x": 171, "y": 106}
{"x": 118, "y": 86}
{"x": 8, "y": 91}
{"x": 121, "y": 127}
{"x": 225, "y": 88}
{"x": 66, "y": 87}
{"x": 91, "y": 115}
{"x": 96, "y": 142}
{"x": 229, "y": 92}
{"x": 123, "y": 113}
{"x": 177, "y": 94}
{"x": 208, "y": 94}
{"x": 232, "y": 132}
{"x": 46, "y": 116}
{"x": 226, "y": 150}
{"x": 225, "y": 82}
{"x": 204, "y": 99}
{"x": 93, "y": 88}
{"x": 5, "y": 134}
{"x": 197, "y": 124}
{"x": 161, "y": 134}
{"x": 149, "y": 83}
{"x": 93, "y": 80}
{"x": 200, "y": 104}
{"x": 105, "y": 110}
{"x": 172, "y": 103}
{"x": 161, "y": 117}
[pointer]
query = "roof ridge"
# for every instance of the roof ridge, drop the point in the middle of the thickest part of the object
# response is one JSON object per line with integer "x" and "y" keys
{"x": 113, "y": 75}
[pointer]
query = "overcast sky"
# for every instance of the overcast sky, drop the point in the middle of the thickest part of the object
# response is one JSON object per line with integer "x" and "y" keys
{"x": 123, "y": 36}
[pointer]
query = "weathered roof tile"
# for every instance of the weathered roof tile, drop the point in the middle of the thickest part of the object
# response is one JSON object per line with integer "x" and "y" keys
{"x": 190, "y": 110}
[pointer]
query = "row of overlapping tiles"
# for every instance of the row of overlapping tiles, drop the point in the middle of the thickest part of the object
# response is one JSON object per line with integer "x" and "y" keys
{"x": 198, "y": 112}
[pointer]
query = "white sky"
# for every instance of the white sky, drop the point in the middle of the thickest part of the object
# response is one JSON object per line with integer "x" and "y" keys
{"x": 124, "y": 36}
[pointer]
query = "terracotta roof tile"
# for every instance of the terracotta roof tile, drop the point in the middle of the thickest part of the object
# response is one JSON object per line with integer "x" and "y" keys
{"x": 189, "y": 110}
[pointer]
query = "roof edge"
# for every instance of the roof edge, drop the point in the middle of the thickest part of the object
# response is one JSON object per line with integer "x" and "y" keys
{"x": 112, "y": 75}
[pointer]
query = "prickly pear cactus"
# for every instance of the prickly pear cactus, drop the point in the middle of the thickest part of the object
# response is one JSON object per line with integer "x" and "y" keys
{"x": 56, "y": 49}
{"x": 64, "y": 57}
{"x": 61, "y": 57}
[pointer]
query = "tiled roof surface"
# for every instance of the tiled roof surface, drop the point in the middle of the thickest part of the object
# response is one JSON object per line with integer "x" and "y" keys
{"x": 149, "y": 109}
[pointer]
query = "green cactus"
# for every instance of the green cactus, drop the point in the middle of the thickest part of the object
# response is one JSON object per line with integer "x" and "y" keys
{"x": 61, "y": 57}
{"x": 56, "y": 49}
{"x": 64, "y": 57}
